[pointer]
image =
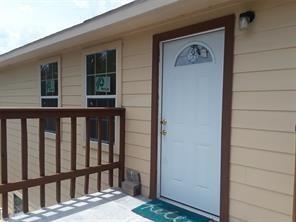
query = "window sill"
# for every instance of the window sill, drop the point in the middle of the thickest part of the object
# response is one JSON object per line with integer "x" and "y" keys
{"x": 105, "y": 147}
{"x": 50, "y": 136}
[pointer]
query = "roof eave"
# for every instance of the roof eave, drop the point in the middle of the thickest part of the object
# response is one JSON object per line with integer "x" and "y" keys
{"x": 112, "y": 17}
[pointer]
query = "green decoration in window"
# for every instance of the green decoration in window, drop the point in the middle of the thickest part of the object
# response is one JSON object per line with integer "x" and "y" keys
{"x": 102, "y": 83}
{"x": 50, "y": 87}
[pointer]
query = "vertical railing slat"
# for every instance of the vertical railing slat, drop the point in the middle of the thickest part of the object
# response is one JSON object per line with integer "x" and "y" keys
{"x": 111, "y": 149}
{"x": 58, "y": 158}
{"x": 24, "y": 152}
{"x": 121, "y": 149}
{"x": 73, "y": 154}
{"x": 73, "y": 159}
{"x": 87, "y": 153}
{"x": 4, "y": 178}
{"x": 99, "y": 152}
{"x": 42, "y": 160}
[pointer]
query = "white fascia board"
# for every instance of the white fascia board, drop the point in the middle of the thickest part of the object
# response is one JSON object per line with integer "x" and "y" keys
{"x": 120, "y": 14}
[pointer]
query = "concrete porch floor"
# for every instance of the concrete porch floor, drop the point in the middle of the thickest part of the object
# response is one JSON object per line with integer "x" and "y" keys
{"x": 109, "y": 205}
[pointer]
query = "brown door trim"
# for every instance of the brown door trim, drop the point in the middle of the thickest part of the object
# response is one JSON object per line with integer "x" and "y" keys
{"x": 294, "y": 202}
{"x": 228, "y": 23}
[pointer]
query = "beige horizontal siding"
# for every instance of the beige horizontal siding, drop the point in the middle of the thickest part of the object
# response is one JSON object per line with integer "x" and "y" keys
{"x": 267, "y": 60}
{"x": 133, "y": 74}
{"x": 138, "y": 113}
{"x": 137, "y": 61}
{"x": 260, "y": 197}
{"x": 263, "y": 140}
{"x": 263, "y": 133}
{"x": 136, "y": 87}
{"x": 263, "y": 121}
{"x": 265, "y": 179}
{"x": 136, "y": 100}
{"x": 254, "y": 213}
{"x": 278, "y": 80}
{"x": 261, "y": 159}
{"x": 138, "y": 126}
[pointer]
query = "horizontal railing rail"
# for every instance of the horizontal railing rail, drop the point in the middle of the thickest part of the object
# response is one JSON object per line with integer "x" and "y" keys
{"x": 23, "y": 114}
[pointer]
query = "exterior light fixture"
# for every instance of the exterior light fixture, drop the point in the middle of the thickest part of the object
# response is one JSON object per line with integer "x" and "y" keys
{"x": 245, "y": 19}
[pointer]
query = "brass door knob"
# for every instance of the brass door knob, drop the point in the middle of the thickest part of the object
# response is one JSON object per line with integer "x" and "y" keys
{"x": 163, "y": 122}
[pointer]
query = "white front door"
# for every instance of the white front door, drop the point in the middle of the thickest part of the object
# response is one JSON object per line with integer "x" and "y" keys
{"x": 191, "y": 114}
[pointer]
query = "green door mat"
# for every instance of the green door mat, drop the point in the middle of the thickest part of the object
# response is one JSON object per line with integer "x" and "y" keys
{"x": 160, "y": 211}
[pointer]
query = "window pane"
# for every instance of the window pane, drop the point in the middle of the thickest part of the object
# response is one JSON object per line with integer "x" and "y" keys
{"x": 101, "y": 102}
{"x": 43, "y": 72}
{"x": 49, "y": 102}
{"x": 101, "y": 63}
{"x": 94, "y": 130}
{"x": 93, "y": 121}
{"x": 111, "y": 61}
{"x": 90, "y": 64}
{"x": 55, "y": 70}
{"x": 56, "y": 89}
{"x": 50, "y": 123}
{"x": 91, "y": 85}
{"x": 50, "y": 71}
{"x": 50, "y": 87}
{"x": 17, "y": 204}
{"x": 112, "y": 84}
{"x": 45, "y": 68}
{"x": 102, "y": 84}
{"x": 43, "y": 88}
{"x": 49, "y": 79}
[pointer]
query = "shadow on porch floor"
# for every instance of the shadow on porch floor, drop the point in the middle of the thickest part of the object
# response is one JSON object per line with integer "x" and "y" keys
{"x": 109, "y": 205}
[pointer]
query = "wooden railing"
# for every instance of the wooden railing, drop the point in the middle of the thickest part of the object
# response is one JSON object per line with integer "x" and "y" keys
{"x": 58, "y": 113}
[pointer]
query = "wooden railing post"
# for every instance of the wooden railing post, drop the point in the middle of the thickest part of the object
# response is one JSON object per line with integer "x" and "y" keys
{"x": 121, "y": 149}
{"x": 87, "y": 153}
{"x": 42, "y": 160}
{"x": 41, "y": 114}
{"x": 4, "y": 178}
{"x": 73, "y": 154}
{"x": 58, "y": 158}
{"x": 24, "y": 151}
{"x": 99, "y": 152}
{"x": 111, "y": 147}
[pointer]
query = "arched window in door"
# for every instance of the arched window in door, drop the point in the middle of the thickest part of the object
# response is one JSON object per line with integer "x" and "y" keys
{"x": 194, "y": 54}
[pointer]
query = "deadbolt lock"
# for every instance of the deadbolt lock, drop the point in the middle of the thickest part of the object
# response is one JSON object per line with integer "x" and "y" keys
{"x": 163, "y": 132}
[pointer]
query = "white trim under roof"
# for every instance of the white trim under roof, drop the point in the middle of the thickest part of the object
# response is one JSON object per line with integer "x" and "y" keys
{"x": 119, "y": 14}
{"x": 128, "y": 17}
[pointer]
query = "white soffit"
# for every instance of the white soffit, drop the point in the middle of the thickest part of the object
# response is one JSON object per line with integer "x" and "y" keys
{"x": 126, "y": 18}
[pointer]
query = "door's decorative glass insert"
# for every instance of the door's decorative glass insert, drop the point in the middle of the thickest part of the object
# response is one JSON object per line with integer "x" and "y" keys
{"x": 194, "y": 54}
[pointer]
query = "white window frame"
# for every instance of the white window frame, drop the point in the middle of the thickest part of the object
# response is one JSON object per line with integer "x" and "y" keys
{"x": 117, "y": 45}
{"x": 57, "y": 59}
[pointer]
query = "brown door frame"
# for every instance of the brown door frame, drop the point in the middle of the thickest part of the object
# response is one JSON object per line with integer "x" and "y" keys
{"x": 228, "y": 23}
{"x": 294, "y": 202}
